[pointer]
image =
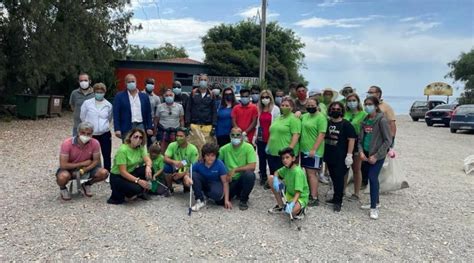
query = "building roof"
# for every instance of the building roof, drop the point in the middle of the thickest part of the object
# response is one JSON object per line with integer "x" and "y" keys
{"x": 181, "y": 61}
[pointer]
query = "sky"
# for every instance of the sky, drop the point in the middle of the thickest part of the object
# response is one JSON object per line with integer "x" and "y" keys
{"x": 399, "y": 45}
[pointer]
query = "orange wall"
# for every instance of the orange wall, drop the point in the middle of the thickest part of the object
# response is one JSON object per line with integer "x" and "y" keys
{"x": 162, "y": 78}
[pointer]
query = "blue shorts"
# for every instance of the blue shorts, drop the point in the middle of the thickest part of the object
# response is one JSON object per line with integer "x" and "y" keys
{"x": 311, "y": 162}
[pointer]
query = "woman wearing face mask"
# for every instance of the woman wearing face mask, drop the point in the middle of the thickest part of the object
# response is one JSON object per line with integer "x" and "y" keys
{"x": 313, "y": 129}
{"x": 224, "y": 116}
{"x": 339, "y": 145}
{"x": 267, "y": 113}
{"x": 98, "y": 111}
{"x": 131, "y": 169}
{"x": 169, "y": 116}
{"x": 355, "y": 115}
{"x": 284, "y": 132}
{"x": 374, "y": 141}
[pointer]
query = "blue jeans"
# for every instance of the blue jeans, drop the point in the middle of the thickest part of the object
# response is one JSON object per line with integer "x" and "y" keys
{"x": 243, "y": 186}
{"x": 203, "y": 186}
{"x": 372, "y": 172}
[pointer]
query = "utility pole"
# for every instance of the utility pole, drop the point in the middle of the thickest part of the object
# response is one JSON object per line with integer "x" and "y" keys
{"x": 263, "y": 49}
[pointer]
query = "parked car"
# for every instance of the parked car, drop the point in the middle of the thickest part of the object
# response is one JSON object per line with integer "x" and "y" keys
{"x": 420, "y": 107}
{"x": 441, "y": 114}
{"x": 462, "y": 118}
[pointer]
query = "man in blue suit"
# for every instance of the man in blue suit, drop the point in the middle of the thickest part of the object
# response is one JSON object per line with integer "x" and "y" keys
{"x": 131, "y": 110}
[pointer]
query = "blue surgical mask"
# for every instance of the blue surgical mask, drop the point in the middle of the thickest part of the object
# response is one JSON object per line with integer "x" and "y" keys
{"x": 203, "y": 84}
{"x": 177, "y": 91}
{"x": 244, "y": 100}
{"x": 255, "y": 98}
{"x": 99, "y": 96}
{"x": 131, "y": 86}
{"x": 150, "y": 87}
{"x": 278, "y": 100}
{"x": 352, "y": 105}
{"x": 236, "y": 141}
{"x": 369, "y": 109}
{"x": 169, "y": 99}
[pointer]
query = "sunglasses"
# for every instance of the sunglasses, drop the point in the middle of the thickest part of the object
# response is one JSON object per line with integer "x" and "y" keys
{"x": 265, "y": 97}
{"x": 235, "y": 135}
{"x": 137, "y": 137}
{"x": 336, "y": 109}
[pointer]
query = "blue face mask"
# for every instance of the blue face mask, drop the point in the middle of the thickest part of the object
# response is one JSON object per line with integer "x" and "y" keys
{"x": 131, "y": 86}
{"x": 203, "y": 84}
{"x": 150, "y": 87}
{"x": 169, "y": 99}
{"x": 255, "y": 98}
{"x": 236, "y": 141}
{"x": 278, "y": 100}
{"x": 245, "y": 100}
{"x": 177, "y": 91}
{"x": 352, "y": 105}
{"x": 369, "y": 109}
{"x": 99, "y": 96}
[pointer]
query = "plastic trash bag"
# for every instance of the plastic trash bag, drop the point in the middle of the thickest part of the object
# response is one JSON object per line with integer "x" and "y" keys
{"x": 199, "y": 135}
{"x": 469, "y": 165}
{"x": 391, "y": 178}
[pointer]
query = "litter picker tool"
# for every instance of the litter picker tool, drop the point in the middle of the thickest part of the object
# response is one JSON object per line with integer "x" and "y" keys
{"x": 285, "y": 203}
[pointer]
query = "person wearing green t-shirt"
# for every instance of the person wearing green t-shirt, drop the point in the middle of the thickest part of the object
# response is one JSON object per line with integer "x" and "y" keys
{"x": 240, "y": 159}
{"x": 355, "y": 115}
{"x": 284, "y": 132}
{"x": 158, "y": 163}
{"x": 295, "y": 186}
{"x": 131, "y": 169}
{"x": 179, "y": 157}
{"x": 313, "y": 129}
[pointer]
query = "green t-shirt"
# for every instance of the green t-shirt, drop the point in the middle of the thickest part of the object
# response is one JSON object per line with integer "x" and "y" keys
{"x": 368, "y": 127}
{"x": 177, "y": 153}
{"x": 237, "y": 157}
{"x": 131, "y": 157}
{"x": 158, "y": 163}
{"x": 311, "y": 126}
{"x": 281, "y": 131}
{"x": 295, "y": 181}
{"x": 323, "y": 109}
{"x": 355, "y": 119}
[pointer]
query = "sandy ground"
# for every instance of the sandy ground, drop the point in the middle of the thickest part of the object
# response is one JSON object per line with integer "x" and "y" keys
{"x": 433, "y": 220}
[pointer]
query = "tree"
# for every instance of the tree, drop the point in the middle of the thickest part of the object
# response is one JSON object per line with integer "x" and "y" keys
{"x": 47, "y": 43}
{"x": 463, "y": 70}
{"x": 165, "y": 51}
{"x": 234, "y": 50}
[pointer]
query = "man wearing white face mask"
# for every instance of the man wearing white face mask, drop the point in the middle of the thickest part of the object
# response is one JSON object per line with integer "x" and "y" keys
{"x": 216, "y": 90}
{"x": 78, "y": 96}
{"x": 131, "y": 110}
{"x": 80, "y": 156}
{"x": 154, "y": 102}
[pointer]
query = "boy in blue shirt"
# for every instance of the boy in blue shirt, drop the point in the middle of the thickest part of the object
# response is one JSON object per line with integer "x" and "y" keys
{"x": 210, "y": 179}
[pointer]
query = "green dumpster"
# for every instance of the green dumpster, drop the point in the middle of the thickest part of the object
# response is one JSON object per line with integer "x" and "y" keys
{"x": 31, "y": 106}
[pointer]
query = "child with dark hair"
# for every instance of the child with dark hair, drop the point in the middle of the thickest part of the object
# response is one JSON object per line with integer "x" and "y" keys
{"x": 210, "y": 179}
{"x": 158, "y": 165}
{"x": 295, "y": 184}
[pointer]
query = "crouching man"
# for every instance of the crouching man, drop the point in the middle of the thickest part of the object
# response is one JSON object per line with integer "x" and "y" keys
{"x": 80, "y": 156}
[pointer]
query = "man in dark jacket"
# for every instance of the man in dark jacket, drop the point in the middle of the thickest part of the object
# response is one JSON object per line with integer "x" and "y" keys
{"x": 180, "y": 96}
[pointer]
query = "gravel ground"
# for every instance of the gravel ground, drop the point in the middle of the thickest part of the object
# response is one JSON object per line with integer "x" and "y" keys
{"x": 433, "y": 220}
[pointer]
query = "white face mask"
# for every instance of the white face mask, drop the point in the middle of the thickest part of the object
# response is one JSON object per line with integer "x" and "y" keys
{"x": 84, "y": 139}
{"x": 84, "y": 84}
{"x": 216, "y": 92}
{"x": 265, "y": 101}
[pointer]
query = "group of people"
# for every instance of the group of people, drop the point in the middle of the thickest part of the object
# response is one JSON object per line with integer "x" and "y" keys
{"x": 293, "y": 135}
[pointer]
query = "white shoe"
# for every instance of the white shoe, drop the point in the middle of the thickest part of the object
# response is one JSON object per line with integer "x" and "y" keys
{"x": 198, "y": 205}
{"x": 367, "y": 207}
{"x": 374, "y": 213}
{"x": 323, "y": 178}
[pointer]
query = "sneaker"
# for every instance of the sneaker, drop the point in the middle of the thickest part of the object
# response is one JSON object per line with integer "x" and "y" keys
{"x": 276, "y": 210}
{"x": 337, "y": 208}
{"x": 65, "y": 195}
{"x": 374, "y": 213}
{"x": 313, "y": 202}
{"x": 353, "y": 198}
{"x": 144, "y": 196}
{"x": 300, "y": 215}
{"x": 86, "y": 189}
{"x": 367, "y": 207}
{"x": 243, "y": 205}
{"x": 198, "y": 205}
{"x": 330, "y": 201}
{"x": 323, "y": 178}
{"x": 113, "y": 202}
{"x": 266, "y": 186}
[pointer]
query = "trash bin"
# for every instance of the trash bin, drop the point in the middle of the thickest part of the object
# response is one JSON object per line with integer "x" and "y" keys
{"x": 55, "y": 105}
{"x": 31, "y": 106}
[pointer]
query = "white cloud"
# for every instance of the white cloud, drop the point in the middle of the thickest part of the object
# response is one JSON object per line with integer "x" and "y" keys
{"x": 317, "y": 22}
{"x": 168, "y": 11}
{"x": 253, "y": 11}
{"x": 421, "y": 26}
{"x": 185, "y": 32}
{"x": 329, "y": 3}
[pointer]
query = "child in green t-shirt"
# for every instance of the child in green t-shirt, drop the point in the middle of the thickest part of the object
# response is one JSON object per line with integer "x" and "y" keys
{"x": 295, "y": 183}
{"x": 158, "y": 164}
